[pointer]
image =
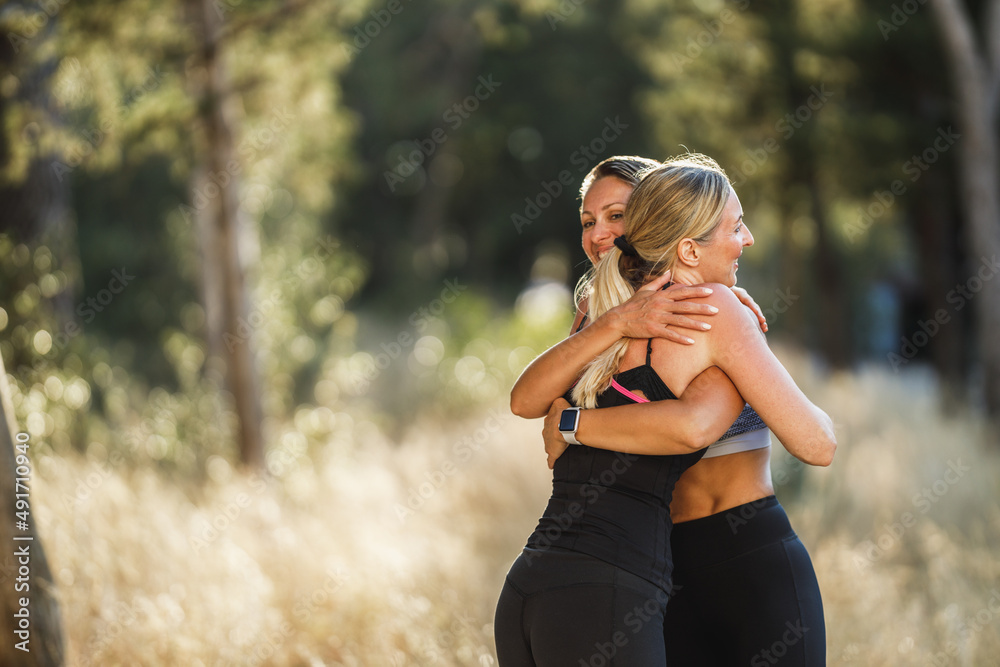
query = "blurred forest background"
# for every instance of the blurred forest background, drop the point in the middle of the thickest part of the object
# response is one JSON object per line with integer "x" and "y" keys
{"x": 269, "y": 269}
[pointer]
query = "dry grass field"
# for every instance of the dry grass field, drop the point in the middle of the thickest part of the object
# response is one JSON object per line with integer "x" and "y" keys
{"x": 372, "y": 553}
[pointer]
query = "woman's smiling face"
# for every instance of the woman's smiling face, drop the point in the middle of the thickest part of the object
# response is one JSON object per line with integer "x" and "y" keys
{"x": 720, "y": 258}
{"x": 602, "y": 215}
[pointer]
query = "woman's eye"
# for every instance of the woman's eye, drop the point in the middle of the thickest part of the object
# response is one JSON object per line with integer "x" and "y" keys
{"x": 617, "y": 216}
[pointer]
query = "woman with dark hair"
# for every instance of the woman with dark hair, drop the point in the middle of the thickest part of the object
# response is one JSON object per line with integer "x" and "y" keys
{"x": 594, "y": 578}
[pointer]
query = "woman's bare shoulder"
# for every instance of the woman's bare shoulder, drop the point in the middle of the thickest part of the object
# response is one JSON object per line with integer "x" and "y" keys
{"x": 732, "y": 313}
{"x": 721, "y": 297}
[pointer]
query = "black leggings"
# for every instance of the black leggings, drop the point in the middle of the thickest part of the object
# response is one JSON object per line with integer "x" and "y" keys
{"x": 560, "y": 608}
{"x": 745, "y": 592}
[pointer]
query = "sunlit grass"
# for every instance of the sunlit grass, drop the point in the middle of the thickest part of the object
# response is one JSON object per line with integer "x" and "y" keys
{"x": 375, "y": 554}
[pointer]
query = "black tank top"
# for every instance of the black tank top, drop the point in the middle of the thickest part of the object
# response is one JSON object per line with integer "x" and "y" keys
{"x": 615, "y": 506}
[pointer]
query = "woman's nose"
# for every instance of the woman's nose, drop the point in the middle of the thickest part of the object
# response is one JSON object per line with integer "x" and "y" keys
{"x": 603, "y": 231}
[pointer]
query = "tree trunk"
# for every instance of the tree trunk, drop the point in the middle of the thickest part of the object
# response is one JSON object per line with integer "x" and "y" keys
{"x": 937, "y": 232}
{"x": 976, "y": 77}
{"x": 836, "y": 330}
{"x": 38, "y": 620}
{"x": 216, "y": 196}
{"x": 791, "y": 277}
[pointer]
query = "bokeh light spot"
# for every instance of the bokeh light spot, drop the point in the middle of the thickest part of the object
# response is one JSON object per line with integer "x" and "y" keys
{"x": 42, "y": 342}
{"x": 525, "y": 143}
{"x": 470, "y": 371}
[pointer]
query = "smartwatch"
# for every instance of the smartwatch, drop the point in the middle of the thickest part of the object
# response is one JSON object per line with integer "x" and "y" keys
{"x": 568, "y": 423}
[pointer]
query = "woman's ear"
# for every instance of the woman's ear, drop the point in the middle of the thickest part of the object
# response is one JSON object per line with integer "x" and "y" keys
{"x": 688, "y": 252}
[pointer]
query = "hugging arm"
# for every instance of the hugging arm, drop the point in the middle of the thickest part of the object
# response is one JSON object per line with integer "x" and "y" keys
{"x": 739, "y": 349}
{"x": 700, "y": 416}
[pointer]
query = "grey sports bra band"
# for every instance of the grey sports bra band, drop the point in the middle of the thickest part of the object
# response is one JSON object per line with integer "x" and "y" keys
{"x": 744, "y": 442}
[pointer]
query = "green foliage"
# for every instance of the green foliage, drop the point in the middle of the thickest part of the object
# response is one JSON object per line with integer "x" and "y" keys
{"x": 101, "y": 107}
{"x": 389, "y": 152}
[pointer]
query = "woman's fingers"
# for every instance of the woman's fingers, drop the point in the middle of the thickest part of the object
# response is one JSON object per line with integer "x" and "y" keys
{"x": 656, "y": 284}
{"x": 555, "y": 445}
{"x": 655, "y": 322}
{"x": 675, "y": 336}
{"x": 687, "y": 292}
{"x": 685, "y": 322}
{"x": 642, "y": 304}
{"x": 553, "y": 450}
{"x": 748, "y": 301}
{"x": 667, "y": 305}
{"x": 650, "y": 311}
{"x": 552, "y": 455}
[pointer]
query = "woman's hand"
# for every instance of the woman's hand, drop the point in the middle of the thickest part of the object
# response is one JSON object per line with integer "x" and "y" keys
{"x": 554, "y": 443}
{"x": 650, "y": 313}
{"x": 748, "y": 301}
{"x": 651, "y": 310}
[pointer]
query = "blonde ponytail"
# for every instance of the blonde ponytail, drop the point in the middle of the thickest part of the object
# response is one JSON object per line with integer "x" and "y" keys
{"x": 608, "y": 289}
{"x": 683, "y": 198}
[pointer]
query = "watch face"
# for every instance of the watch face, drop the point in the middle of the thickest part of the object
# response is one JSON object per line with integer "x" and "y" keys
{"x": 567, "y": 421}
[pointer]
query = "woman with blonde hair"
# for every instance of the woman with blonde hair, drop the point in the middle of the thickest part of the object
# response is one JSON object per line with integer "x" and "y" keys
{"x": 594, "y": 578}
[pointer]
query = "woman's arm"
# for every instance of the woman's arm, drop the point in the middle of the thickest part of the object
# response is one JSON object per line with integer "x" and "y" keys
{"x": 700, "y": 416}
{"x": 740, "y": 350}
{"x": 646, "y": 315}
